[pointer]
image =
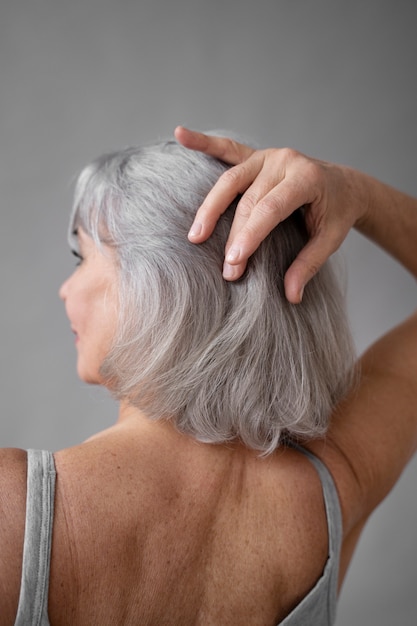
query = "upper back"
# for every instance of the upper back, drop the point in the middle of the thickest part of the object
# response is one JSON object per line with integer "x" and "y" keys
{"x": 196, "y": 535}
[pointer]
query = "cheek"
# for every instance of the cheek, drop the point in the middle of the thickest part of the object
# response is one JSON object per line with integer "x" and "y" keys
{"x": 103, "y": 323}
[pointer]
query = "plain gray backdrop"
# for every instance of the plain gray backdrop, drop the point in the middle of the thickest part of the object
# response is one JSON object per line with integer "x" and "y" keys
{"x": 336, "y": 80}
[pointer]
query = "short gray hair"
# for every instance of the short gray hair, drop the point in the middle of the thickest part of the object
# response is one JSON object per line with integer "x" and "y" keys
{"x": 224, "y": 360}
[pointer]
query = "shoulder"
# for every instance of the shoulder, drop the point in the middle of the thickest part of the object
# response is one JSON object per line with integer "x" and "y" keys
{"x": 13, "y": 465}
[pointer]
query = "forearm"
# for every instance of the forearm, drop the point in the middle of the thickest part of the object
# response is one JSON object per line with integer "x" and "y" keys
{"x": 389, "y": 220}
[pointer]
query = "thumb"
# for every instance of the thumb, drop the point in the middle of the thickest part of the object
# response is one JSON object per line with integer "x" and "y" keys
{"x": 306, "y": 265}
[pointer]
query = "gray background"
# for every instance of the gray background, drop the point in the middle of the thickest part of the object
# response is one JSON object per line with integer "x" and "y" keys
{"x": 333, "y": 79}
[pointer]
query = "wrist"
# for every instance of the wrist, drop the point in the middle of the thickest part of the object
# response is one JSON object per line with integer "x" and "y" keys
{"x": 360, "y": 196}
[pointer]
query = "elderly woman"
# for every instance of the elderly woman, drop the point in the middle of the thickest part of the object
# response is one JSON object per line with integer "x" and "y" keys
{"x": 217, "y": 497}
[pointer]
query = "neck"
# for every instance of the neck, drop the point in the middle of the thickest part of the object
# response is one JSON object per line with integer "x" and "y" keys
{"x": 133, "y": 419}
{"x": 128, "y": 412}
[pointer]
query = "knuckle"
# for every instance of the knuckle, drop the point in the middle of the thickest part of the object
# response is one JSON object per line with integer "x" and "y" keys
{"x": 283, "y": 156}
{"x": 314, "y": 172}
{"x": 271, "y": 206}
{"x": 314, "y": 177}
{"x": 310, "y": 266}
{"x": 246, "y": 204}
{"x": 289, "y": 154}
{"x": 231, "y": 177}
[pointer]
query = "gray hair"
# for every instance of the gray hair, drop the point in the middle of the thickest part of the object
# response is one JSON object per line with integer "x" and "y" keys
{"x": 224, "y": 360}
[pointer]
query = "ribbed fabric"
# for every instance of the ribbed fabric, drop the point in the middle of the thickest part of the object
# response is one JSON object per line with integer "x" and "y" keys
{"x": 33, "y": 600}
{"x": 318, "y": 608}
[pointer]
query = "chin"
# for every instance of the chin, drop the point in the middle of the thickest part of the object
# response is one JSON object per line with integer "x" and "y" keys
{"x": 89, "y": 380}
{"x": 88, "y": 376}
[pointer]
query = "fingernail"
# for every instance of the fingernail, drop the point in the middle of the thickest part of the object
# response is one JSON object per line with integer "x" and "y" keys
{"x": 229, "y": 271}
{"x": 195, "y": 229}
{"x": 233, "y": 255}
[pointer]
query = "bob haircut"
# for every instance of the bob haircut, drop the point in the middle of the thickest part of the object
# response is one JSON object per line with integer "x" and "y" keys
{"x": 224, "y": 360}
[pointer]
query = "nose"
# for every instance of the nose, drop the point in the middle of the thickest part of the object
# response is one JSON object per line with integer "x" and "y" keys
{"x": 63, "y": 290}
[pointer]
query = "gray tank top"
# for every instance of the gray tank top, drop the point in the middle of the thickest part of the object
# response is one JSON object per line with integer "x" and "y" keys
{"x": 318, "y": 608}
{"x": 33, "y": 600}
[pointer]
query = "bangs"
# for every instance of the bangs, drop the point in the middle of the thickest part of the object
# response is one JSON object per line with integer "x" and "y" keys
{"x": 96, "y": 200}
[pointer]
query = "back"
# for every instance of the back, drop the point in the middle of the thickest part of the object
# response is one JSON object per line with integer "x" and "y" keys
{"x": 216, "y": 534}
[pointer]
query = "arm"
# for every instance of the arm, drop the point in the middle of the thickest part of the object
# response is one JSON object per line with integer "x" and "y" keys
{"x": 373, "y": 434}
{"x": 375, "y": 430}
{"x": 12, "y": 525}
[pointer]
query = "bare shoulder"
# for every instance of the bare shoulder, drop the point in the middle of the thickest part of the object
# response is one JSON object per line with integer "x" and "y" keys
{"x": 13, "y": 464}
{"x": 99, "y": 484}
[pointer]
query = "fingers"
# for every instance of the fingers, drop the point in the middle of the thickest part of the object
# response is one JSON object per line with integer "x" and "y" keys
{"x": 223, "y": 148}
{"x": 232, "y": 183}
{"x": 256, "y": 216}
{"x": 273, "y": 184}
{"x": 308, "y": 262}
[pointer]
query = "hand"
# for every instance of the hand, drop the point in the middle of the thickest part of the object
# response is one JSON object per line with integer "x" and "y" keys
{"x": 274, "y": 183}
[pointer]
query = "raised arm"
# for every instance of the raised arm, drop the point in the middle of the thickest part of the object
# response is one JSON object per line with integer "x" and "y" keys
{"x": 373, "y": 434}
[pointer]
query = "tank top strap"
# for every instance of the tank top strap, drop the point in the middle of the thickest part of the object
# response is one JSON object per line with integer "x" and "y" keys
{"x": 334, "y": 526}
{"x": 331, "y": 500}
{"x": 33, "y": 599}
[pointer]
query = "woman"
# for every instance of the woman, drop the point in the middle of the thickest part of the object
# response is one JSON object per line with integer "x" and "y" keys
{"x": 198, "y": 506}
